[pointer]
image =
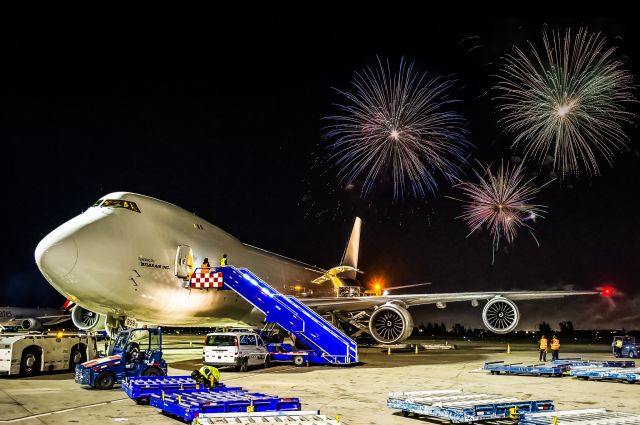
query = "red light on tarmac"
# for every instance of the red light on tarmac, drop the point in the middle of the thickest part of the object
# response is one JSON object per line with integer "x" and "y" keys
{"x": 607, "y": 291}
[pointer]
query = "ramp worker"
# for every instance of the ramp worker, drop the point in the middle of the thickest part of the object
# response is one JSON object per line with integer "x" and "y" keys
{"x": 619, "y": 345}
{"x": 224, "y": 261}
{"x": 209, "y": 376}
{"x": 543, "y": 348}
{"x": 205, "y": 267}
{"x": 555, "y": 348}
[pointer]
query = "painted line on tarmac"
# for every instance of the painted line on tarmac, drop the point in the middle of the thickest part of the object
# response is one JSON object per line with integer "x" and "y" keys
{"x": 24, "y": 418}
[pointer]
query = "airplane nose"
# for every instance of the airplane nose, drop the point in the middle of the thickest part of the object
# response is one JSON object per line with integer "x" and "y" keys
{"x": 57, "y": 258}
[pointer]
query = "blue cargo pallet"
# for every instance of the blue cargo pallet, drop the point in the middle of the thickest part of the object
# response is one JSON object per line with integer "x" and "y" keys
{"x": 595, "y": 363}
{"x": 497, "y": 368}
{"x": 291, "y": 315}
{"x": 189, "y": 405}
{"x": 141, "y": 388}
{"x": 608, "y": 374}
{"x": 463, "y": 407}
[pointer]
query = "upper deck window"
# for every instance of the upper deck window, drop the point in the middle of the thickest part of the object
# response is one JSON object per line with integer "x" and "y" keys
{"x": 120, "y": 203}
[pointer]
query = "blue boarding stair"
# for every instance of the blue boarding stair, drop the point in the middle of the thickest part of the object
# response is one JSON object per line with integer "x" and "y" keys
{"x": 291, "y": 315}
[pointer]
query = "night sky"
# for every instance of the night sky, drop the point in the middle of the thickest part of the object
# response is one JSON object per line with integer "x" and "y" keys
{"x": 223, "y": 117}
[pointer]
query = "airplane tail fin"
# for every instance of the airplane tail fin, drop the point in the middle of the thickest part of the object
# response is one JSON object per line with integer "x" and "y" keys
{"x": 350, "y": 256}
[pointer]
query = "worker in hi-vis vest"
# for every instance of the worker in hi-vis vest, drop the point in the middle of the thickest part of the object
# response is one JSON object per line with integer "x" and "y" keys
{"x": 209, "y": 376}
{"x": 224, "y": 261}
{"x": 205, "y": 267}
{"x": 555, "y": 348}
{"x": 619, "y": 345}
{"x": 543, "y": 349}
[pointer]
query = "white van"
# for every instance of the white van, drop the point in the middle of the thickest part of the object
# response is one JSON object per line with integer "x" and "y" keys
{"x": 238, "y": 349}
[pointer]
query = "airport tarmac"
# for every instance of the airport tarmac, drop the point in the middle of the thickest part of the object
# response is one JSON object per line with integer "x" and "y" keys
{"x": 356, "y": 394}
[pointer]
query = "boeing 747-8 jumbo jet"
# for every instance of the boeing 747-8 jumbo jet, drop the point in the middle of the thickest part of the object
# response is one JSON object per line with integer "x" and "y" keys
{"x": 127, "y": 256}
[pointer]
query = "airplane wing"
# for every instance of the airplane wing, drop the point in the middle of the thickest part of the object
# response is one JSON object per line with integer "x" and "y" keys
{"x": 333, "y": 304}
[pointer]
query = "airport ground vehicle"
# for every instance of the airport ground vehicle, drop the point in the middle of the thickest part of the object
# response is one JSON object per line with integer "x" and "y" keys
{"x": 238, "y": 349}
{"x": 629, "y": 348}
{"x": 31, "y": 353}
{"x": 135, "y": 353}
{"x": 299, "y": 357}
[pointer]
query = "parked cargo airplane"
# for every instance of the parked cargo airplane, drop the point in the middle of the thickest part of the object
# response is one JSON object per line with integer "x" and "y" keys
{"x": 127, "y": 257}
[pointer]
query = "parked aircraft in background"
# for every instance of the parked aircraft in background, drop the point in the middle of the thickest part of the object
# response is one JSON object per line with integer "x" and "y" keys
{"x": 31, "y": 319}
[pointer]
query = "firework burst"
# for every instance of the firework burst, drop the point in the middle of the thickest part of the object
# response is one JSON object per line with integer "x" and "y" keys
{"x": 500, "y": 202}
{"x": 398, "y": 122}
{"x": 568, "y": 101}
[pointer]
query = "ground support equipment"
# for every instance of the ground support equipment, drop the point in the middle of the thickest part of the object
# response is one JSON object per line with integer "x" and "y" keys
{"x": 541, "y": 369}
{"x": 285, "y": 417}
{"x": 463, "y": 407}
{"x": 189, "y": 405}
{"x": 575, "y": 417}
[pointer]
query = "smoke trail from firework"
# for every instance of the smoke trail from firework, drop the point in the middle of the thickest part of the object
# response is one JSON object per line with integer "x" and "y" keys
{"x": 400, "y": 122}
{"x": 568, "y": 101}
{"x": 501, "y": 202}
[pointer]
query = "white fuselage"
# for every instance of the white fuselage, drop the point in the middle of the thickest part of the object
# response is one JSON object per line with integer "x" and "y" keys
{"x": 120, "y": 262}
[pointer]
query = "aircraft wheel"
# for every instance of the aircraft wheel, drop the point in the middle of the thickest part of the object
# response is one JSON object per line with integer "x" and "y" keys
{"x": 298, "y": 360}
{"x": 105, "y": 381}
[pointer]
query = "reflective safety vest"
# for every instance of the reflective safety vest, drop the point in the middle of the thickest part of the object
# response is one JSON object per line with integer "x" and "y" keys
{"x": 543, "y": 343}
{"x": 555, "y": 344}
{"x": 223, "y": 261}
{"x": 205, "y": 268}
{"x": 619, "y": 343}
{"x": 210, "y": 374}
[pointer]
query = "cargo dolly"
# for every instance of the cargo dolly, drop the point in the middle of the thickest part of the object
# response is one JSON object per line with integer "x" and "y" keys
{"x": 595, "y": 363}
{"x": 142, "y": 388}
{"x": 608, "y": 374}
{"x": 189, "y": 405}
{"x": 285, "y": 417}
{"x": 584, "y": 416}
{"x": 463, "y": 407}
{"x": 496, "y": 368}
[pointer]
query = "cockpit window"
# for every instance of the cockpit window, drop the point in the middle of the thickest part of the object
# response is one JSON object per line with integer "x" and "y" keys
{"x": 120, "y": 203}
{"x": 98, "y": 202}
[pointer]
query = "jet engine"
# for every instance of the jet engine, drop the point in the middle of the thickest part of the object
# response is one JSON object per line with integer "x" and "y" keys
{"x": 87, "y": 320}
{"x": 30, "y": 324}
{"x": 390, "y": 323}
{"x": 500, "y": 315}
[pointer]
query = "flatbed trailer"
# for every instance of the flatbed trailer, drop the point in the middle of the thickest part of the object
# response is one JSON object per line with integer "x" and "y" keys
{"x": 189, "y": 405}
{"x": 294, "y": 418}
{"x": 595, "y": 363}
{"x": 142, "y": 388}
{"x": 496, "y": 368}
{"x": 575, "y": 417}
{"x": 458, "y": 406}
{"x": 32, "y": 353}
{"x": 627, "y": 375}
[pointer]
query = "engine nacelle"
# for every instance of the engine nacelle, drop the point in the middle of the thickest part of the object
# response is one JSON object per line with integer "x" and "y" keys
{"x": 500, "y": 315}
{"x": 390, "y": 323}
{"x": 87, "y": 320}
{"x": 30, "y": 324}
